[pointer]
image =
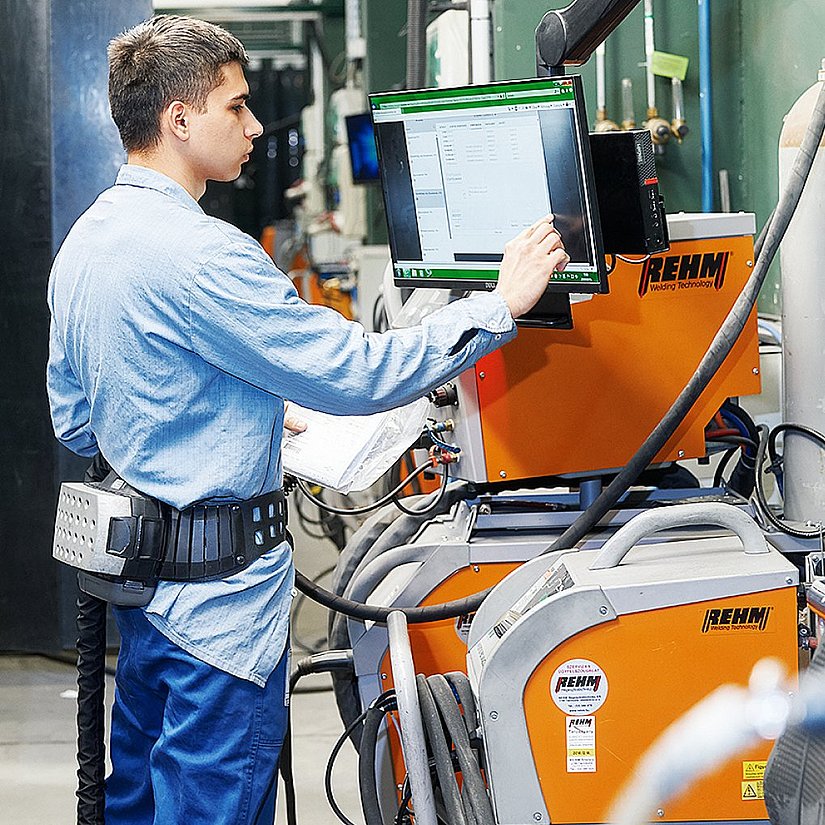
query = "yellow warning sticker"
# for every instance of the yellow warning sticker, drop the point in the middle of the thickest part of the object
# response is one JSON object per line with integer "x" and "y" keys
{"x": 753, "y": 770}
{"x": 753, "y": 790}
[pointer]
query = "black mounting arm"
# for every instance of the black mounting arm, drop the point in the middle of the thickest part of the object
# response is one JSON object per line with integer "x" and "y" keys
{"x": 570, "y": 35}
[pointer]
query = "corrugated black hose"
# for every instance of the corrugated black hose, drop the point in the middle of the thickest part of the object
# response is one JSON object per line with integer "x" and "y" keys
{"x": 441, "y": 753}
{"x": 91, "y": 689}
{"x": 373, "y": 719}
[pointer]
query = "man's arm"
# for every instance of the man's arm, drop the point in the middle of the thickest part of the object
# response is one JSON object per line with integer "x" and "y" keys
{"x": 69, "y": 406}
{"x": 246, "y": 318}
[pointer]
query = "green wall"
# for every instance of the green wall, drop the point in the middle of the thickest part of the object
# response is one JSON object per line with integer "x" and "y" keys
{"x": 765, "y": 53}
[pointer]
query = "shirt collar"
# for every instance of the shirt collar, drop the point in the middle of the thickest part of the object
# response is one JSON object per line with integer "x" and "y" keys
{"x": 132, "y": 175}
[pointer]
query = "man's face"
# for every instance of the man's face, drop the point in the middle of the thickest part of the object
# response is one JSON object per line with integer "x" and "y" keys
{"x": 222, "y": 134}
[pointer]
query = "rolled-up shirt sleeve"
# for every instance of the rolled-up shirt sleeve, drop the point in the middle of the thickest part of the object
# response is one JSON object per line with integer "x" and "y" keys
{"x": 247, "y": 319}
{"x": 68, "y": 404}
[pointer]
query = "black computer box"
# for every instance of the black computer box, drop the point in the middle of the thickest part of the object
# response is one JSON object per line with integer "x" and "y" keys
{"x": 630, "y": 207}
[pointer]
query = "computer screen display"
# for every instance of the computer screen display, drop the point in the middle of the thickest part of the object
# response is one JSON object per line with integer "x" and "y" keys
{"x": 362, "y": 153}
{"x": 464, "y": 170}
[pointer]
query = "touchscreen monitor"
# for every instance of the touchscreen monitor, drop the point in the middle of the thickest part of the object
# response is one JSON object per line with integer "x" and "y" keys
{"x": 464, "y": 170}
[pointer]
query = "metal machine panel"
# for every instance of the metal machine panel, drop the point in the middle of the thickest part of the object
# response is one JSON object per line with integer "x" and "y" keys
{"x": 511, "y": 772}
{"x": 658, "y": 632}
{"x": 584, "y": 400}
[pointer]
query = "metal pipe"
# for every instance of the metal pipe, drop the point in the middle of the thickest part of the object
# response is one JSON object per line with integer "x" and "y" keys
{"x": 601, "y": 105}
{"x": 628, "y": 115}
{"x": 480, "y": 42}
{"x": 705, "y": 105}
{"x": 416, "y": 43}
{"x": 649, "y": 49}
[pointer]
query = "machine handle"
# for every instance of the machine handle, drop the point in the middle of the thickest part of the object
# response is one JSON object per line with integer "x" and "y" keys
{"x": 680, "y": 515}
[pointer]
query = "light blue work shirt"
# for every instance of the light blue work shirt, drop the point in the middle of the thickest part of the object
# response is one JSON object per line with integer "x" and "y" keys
{"x": 174, "y": 342}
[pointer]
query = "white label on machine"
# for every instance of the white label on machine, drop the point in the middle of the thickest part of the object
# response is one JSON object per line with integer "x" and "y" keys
{"x": 578, "y": 687}
{"x": 581, "y": 744}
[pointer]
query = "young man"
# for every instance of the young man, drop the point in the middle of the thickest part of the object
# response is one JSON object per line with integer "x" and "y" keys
{"x": 173, "y": 341}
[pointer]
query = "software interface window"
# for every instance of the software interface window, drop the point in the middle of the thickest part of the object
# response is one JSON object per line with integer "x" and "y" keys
{"x": 465, "y": 171}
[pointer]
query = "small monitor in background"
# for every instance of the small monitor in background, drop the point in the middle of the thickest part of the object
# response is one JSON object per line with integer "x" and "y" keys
{"x": 362, "y": 152}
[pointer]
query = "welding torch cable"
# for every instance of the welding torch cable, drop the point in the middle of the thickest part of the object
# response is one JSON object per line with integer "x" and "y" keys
{"x": 440, "y": 749}
{"x": 372, "y": 717}
{"x": 468, "y": 764}
{"x": 460, "y": 684}
{"x": 360, "y": 511}
{"x": 767, "y": 243}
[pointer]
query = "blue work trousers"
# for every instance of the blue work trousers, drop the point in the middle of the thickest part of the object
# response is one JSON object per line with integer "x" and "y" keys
{"x": 190, "y": 744}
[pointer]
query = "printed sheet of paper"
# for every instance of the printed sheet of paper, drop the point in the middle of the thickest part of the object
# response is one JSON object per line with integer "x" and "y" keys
{"x": 350, "y": 452}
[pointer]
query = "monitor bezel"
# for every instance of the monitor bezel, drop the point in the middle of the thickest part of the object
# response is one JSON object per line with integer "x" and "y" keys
{"x": 588, "y": 183}
{"x": 349, "y": 119}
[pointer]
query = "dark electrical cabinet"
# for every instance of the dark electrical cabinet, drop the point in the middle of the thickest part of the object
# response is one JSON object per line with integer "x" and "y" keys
{"x": 59, "y": 151}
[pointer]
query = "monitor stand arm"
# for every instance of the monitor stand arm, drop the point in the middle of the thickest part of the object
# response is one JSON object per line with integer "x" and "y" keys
{"x": 570, "y": 35}
{"x": 551, "y": 312}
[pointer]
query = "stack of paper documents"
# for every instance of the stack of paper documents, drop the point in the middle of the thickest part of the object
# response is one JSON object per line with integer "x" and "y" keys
{"x": 350, "y": 452}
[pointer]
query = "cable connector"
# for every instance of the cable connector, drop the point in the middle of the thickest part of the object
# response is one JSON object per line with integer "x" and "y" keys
{"x": 444, "y": 396}
{"x": 444, "y": 454}
{"x": 446, "y": 426}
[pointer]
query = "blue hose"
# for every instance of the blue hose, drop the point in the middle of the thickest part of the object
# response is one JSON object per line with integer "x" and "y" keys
{"x": 705, "y": 106}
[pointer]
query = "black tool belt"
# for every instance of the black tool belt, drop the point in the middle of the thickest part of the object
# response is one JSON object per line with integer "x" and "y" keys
{"x": 214, "y": 541}
{"x": 157, "y": 542}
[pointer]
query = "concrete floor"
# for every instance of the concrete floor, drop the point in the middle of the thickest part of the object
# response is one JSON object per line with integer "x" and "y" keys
{"x": 37, "y": 747}
{"x": 37, "y": 727}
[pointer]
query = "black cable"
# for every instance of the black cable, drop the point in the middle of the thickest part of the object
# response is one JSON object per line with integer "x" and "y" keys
{"x": 740, "y": 440}
{"x": 761, "y": 498}
{"x": 415, "y": 615}
{"x": 300, "y": 599}
{"x": 372, "y": 718}
{"x": 718, "y": 476}
{"x": 360, "y": 511}
{"x": 403, "y": 808}
{"x": 332, "y": 526}
{"x": 407, "y": 461}
{"x": 800, "y": 429}
{"x": 440, "y": 749}
{"x": 433, "y": 505}
{"x": 65, "y": 660}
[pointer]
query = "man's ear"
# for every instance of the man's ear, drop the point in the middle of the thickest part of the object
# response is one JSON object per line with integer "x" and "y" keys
{"x": 175, "y": 119}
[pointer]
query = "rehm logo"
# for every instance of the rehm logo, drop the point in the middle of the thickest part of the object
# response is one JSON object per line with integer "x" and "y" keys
{"x": 736, "y": 618}
{"x": 703, "y": 270}
{"x": 578, "y": 682}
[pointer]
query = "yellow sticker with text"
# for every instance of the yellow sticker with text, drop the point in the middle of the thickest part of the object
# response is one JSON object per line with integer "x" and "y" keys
{"x": 753, "y": 790}
{"x": 753, "y": 770}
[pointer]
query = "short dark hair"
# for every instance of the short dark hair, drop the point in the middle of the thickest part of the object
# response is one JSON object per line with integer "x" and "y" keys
{"x": 163, "y": 59}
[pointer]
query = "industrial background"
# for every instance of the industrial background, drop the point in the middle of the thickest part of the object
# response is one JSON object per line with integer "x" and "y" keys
{"x": 313, "y": 63}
